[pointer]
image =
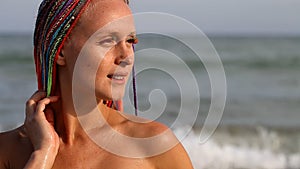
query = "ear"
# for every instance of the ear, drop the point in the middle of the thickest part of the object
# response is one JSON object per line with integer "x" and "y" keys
{"x": 61, "y": 60}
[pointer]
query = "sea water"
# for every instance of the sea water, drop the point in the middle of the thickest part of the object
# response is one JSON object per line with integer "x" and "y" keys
{"x": 260, "y": 128}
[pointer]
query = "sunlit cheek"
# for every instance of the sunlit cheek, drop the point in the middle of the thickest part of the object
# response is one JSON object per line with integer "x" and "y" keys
{"x": 103, "y": 85}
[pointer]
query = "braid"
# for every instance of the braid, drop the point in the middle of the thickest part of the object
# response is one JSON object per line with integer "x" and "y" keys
{"x": 54, "y": 23}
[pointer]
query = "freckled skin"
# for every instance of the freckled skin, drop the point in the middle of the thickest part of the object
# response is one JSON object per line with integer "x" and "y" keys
{"x": 52, "y": 136}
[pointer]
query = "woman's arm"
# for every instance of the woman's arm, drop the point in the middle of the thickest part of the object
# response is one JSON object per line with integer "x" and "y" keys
{"x": 40, "y": 130}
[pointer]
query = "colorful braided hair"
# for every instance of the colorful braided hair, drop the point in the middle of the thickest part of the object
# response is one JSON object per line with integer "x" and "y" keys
{"x": 55, "y": 21}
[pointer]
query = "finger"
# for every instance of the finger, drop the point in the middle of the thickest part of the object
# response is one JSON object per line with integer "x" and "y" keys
{"x": 54, "y": 98}
{"x": 38, "y": 95}
{"x": 30, "y": 107}
{"x": 49, "y": 116}
{"x": 31, "y": 103}
{"x": 43, "y": 103}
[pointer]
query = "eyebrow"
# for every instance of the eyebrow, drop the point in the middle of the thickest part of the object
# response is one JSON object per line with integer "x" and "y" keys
{"x": 105, "y": 33}
{"x": 132, "y": 33}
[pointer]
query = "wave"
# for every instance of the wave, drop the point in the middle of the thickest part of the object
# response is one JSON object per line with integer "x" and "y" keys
{"x": 220, "y": 153}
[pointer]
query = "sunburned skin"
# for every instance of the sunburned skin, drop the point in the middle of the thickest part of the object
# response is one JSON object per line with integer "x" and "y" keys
{"x": 52, "y": 135}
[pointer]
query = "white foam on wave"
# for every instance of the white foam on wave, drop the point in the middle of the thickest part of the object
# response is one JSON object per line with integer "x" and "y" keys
{"x": 212, "y": 155}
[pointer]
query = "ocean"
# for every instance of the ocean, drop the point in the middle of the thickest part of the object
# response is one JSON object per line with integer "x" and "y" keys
{"x": 260, "y": 126}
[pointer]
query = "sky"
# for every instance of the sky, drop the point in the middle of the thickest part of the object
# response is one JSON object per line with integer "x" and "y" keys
{"x": 274, "y": 17}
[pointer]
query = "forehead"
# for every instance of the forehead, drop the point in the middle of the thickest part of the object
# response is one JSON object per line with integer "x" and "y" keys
{"x": 100, "y": 13}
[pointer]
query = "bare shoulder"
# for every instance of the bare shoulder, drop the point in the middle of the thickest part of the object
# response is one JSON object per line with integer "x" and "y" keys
{"x": 14, "y": 145}
{"x": 6, "y": 143}
{"x": 142, "y": 128}
{"x": 174, "y": 156}
{"x": 10, "y": 138}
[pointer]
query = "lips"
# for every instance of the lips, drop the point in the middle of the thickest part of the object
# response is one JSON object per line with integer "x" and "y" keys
{"x": 118, "y": 77}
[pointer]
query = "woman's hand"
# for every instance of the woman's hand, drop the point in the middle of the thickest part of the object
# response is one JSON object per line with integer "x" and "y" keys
{"x": 39, "y": 126}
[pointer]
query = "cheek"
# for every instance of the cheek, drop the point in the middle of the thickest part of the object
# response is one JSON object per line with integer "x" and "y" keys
{"x": 105, "y": 66}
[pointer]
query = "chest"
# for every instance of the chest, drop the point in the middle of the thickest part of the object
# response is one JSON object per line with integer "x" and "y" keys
{"x": 82, "y": 157}
{"x": 98, "y": 159}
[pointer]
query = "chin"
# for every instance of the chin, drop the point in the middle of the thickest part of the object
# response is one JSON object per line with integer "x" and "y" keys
{"x": 117, "y": 95}
{"x": 114, "y": 95}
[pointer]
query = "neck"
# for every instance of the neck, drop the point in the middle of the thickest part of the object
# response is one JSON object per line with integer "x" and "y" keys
{"x": 68, "y": 111}
{"x": 69, "y": 127}
{"x": 66, "y": 123}
{"x": 72, "y": 127}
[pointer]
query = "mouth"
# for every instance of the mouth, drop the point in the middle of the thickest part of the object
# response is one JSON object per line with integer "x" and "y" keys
{"x": 118, "y": 78}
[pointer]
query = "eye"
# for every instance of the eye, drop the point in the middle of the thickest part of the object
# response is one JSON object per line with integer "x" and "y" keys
{"x": 132, "y": 40}
{"x": 108, "y": 42}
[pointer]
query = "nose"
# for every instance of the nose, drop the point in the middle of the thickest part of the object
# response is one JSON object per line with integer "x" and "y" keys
{"x": 125, "y": 53}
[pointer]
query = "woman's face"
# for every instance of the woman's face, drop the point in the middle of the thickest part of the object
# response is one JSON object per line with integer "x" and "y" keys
{"x": 99, "y": 53}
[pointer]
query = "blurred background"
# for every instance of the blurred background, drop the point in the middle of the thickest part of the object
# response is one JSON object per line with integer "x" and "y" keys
{"x": 258, "y": 42}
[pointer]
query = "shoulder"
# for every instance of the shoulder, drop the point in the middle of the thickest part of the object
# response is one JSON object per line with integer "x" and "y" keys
{"x": 174, "y": 155}
{"x": 142, "y": 128}
{"x": 175, "y": 158}
{"x": 6, "y": 143}
{"x": 12, "y": 145}
{"x": 10, "y": 138}
{"x": 168, "y": 150}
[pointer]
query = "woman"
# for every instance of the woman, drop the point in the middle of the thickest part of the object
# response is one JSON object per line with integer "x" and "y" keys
{"x": 53, "y": 135}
